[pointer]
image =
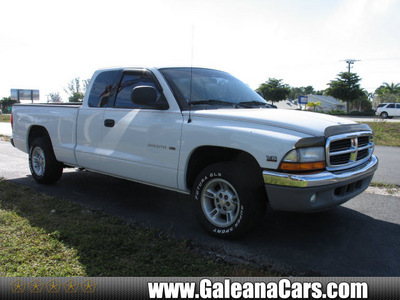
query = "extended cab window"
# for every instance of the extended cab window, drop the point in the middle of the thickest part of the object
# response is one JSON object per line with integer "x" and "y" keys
{"x": 101, "y": 88}
{"x": 128, "y": 83}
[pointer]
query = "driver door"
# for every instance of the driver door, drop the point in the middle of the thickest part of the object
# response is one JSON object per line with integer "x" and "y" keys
{"x": 140, "y": 142}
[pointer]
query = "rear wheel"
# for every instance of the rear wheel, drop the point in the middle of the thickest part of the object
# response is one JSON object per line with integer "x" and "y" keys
{"x": 229, "y": 198}
{"x": 384, "y": 115}
{"x": 42, "y": 162}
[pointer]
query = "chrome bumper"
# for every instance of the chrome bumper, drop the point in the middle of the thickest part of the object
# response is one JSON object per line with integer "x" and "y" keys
{"x": 320, "y": 179}
{"x": 320, "y": 191}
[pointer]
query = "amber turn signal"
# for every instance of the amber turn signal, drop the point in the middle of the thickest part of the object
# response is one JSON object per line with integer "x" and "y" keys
{"x": 301, "y": 167}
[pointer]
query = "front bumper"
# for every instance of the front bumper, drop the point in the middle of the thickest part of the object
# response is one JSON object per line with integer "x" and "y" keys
{"x": 315, "y": 192}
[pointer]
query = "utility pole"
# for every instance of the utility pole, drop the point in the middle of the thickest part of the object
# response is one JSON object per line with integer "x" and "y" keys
{"x": 350, "y": 62}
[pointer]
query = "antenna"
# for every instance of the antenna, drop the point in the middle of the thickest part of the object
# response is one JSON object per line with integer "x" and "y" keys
{"x": 191, "y": 80}
{"x": 350, "y": 62}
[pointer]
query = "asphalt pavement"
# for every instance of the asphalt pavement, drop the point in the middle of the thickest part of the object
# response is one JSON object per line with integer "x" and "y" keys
{"x": 359, "y": 238}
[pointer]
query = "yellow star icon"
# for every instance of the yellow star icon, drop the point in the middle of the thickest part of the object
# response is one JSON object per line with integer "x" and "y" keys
{"x": 35, "y": 286}
{"x": 71, "y": 286}
{"x": 53, "y": 286}
{"x": 18, "y": 286}
{"x": 89, "y": 286}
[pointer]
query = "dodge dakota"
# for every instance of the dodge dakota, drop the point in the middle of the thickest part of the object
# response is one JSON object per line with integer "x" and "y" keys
{"x": 201, "y": 132}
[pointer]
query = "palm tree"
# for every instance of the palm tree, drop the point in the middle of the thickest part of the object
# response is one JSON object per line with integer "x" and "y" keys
{"x": 391, "y": 88}
{"x": 314, "y": 104}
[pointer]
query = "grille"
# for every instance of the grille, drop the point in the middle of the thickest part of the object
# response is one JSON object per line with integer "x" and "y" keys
{"x": 348, "y": 150}
{"x": 340, "y": 145}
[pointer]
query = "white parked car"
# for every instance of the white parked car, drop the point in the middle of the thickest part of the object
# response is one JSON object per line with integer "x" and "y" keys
{"x": 388, "y": 110}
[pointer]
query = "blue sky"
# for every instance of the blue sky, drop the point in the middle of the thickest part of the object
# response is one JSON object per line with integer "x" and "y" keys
{"x": 45, "y": 44}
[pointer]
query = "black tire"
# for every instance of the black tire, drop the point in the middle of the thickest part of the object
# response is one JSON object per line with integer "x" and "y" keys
{"x": 384, "y": 115}
{"x": 42, "y": 162}
{"x": 230, "y": 199}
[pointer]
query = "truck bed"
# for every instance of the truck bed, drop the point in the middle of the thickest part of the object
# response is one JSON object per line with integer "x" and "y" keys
{"x": 59, "y": 119}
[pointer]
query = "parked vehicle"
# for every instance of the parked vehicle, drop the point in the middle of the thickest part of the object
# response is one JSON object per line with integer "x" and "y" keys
{"x": 388, "y": 110}
{"x": 200, "y": 132}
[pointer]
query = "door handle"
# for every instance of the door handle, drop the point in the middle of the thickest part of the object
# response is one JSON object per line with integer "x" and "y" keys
{"x": 109, "y": 123}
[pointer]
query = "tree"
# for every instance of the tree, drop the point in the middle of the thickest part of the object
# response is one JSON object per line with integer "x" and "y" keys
{"x": 274, "y": 90}
{"x": 389, "y": 92}
{"x": 308, "y": 90}
{"x": 85, "y": 83}
{"x": 76, "y": 89}
{"x": 295, "y": 92}
{"x": 314, "y": 104}
{"x": 363, "y": 102}
{"x": 6, "y": 103}
{"x": 345, "y": 87}
{"x": 55, "y": 97}
{"x": 391, "y": 88}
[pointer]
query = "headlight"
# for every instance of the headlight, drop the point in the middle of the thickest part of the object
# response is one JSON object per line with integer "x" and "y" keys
{"x": 304, "y": 159}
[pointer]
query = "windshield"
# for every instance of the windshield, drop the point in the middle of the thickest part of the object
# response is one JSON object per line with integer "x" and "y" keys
{"x": 211, "y": 88}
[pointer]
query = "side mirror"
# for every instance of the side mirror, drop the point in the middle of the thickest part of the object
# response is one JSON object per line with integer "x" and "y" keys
{"x": 144, "y": 95}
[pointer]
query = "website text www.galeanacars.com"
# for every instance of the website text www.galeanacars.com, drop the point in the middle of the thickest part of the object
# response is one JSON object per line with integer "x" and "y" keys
{"x": 282, "y": 289}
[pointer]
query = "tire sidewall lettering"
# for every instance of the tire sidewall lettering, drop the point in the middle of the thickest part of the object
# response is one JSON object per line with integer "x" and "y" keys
{"x": 232, "y": 227}
{"x": 198, "y": 188}
{"x": 203, "y": 181}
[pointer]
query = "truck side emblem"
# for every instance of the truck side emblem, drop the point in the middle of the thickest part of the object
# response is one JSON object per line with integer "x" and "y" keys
{"x": 272, "y": 158}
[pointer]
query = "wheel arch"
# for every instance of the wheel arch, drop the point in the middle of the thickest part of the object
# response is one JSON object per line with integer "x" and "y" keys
{"x": 204, "y": 156}
{"x": 37, "y": 131}
{"x": 384, "y": 112}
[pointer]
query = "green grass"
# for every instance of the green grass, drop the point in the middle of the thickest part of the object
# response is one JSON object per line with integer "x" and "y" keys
{"x": 390, "y": 188}
{"x": 386, "y": 133}
{"x": 385, "y": 185}
{"x": 4, "y": 138}
{"x": 42, "y": 235}
{"x": 5, "y": 118}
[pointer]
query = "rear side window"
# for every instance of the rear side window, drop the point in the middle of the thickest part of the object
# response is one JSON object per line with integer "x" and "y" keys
{"x": 381, "y": 105}
{"x": 397, "y": 105}
{"x": 390, "y": 106}
{"x": 101, "y": 88}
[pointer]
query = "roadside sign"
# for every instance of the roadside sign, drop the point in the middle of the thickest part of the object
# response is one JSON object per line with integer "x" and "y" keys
{"x": 22, "y": 94}
{"x": 303, "y": 99}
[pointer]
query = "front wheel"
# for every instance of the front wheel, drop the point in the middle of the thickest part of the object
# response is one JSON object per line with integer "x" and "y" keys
{"x": 229, "y": 199}
{"x": 42, "y": 162}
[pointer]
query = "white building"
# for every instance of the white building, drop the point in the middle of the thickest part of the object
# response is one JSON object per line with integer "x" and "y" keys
{"x": 328, "y": 103}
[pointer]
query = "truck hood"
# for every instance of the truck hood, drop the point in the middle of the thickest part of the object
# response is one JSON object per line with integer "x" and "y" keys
{"x": 305, "y": 122}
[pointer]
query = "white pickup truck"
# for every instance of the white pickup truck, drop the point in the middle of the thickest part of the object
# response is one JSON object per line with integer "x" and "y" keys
{"x": 200, "y": 132}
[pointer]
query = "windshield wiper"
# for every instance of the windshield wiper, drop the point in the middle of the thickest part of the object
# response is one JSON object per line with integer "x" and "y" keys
{"x": 250, "y": 104}
{"x": 212, "y": 102}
